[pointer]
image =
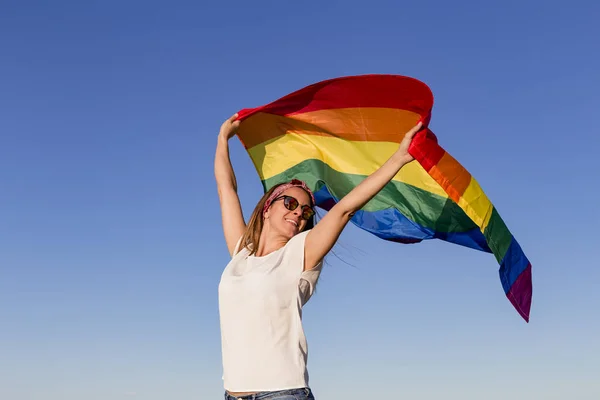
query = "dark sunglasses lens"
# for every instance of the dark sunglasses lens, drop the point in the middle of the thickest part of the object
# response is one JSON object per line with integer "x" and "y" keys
{"x": 290, "y": 203}
{"x": 307, "y": 212}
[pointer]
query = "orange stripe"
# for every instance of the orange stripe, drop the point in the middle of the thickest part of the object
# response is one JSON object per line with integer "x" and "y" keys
{"x": 451, "y": 176}
{"x": 451, "y": 169}
{"x": 439, "y": 177}
{"x": 356, "y": 124}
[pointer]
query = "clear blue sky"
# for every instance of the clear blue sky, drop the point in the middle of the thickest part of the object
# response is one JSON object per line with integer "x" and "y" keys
{"x": 111, "y": 247}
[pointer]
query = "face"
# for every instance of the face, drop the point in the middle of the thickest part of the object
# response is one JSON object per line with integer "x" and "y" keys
{"x": 287, "y": 222}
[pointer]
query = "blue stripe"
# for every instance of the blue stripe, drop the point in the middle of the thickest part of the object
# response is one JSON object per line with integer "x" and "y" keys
{"x": 391, "y": 224}
{"x": 512, "y": 265}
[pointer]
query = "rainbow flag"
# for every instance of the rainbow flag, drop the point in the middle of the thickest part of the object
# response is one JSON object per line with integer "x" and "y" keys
{"x": 334, "y": 133}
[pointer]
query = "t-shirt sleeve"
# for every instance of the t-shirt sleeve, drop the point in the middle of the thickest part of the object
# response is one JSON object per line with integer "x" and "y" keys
{"x": 309, "y": 278}
{"x": 308, "y": 282}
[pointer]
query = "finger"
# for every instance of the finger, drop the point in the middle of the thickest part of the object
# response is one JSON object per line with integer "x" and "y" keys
{"x": 233, "y": 117}
{"x": 414, "y": 130}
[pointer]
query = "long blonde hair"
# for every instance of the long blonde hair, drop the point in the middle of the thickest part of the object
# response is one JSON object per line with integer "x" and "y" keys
{"x": 251, "y": 238}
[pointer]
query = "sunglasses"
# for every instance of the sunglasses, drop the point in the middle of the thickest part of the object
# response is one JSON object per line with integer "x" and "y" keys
{"x": 291, "y": 204}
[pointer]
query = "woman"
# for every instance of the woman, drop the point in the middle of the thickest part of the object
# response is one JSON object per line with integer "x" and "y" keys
{"x": 276, "y": 261}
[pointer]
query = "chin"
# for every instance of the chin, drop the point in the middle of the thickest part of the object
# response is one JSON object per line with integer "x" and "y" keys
{"x": 290, "y": 230}
{"x": 292, "y": 233}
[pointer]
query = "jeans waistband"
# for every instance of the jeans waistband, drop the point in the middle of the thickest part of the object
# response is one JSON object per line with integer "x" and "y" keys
{"x": 268, "y": 395}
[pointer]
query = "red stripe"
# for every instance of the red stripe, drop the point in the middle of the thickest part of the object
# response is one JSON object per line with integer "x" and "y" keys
{"x": 425, "y": 149}
{"x": 388, "y": 91}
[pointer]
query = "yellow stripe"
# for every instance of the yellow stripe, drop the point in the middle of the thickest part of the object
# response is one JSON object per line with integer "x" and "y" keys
{"x": 350, "y": 157}
{"x": 476, "y": 204}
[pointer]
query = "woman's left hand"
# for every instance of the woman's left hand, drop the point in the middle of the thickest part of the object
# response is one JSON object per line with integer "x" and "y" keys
{"x": 405, "y": 143}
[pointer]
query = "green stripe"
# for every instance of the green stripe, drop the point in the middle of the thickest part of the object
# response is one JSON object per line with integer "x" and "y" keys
{"x": 497, "y": 235}
{"x": 425, "y": 208}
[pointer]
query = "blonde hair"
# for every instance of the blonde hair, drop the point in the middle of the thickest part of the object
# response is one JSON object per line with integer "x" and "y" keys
{"x": 251, "y": 237}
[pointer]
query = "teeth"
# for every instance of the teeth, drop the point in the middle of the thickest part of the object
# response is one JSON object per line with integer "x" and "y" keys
{"x": 293, "y": 222}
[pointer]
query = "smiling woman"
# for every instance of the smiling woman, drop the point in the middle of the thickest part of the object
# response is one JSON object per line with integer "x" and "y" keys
{"x": 276, "y": 261}
{"x": 267, "y": 208}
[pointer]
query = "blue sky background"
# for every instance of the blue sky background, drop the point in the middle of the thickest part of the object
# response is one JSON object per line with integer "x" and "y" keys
{"x": 111, "y": 247}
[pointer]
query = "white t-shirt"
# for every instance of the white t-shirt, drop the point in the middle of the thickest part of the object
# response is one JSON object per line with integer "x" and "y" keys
{"x": 260, "y": 306}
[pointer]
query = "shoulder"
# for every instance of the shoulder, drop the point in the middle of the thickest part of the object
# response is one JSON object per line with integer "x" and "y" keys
{"x": 293, "y": 251}
{"x": 297, "y": 242}
{"x": 295, "y": 248}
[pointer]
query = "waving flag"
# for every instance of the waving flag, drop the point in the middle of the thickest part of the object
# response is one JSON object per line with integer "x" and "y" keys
{"x": 335, "y": 133}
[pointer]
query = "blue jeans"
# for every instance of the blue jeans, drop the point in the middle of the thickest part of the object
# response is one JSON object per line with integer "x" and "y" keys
{"x": 289, "y": 394}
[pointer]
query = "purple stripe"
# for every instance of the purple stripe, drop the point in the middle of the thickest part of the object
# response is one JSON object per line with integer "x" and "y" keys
{"x": 520, "y": 293}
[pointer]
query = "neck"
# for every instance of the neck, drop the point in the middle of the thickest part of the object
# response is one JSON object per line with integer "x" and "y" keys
{"x": 270, "y": 242}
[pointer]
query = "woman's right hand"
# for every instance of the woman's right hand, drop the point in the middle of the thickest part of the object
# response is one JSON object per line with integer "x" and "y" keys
{"x": 231, "y": 209}
{"x": 229, "y": 127}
